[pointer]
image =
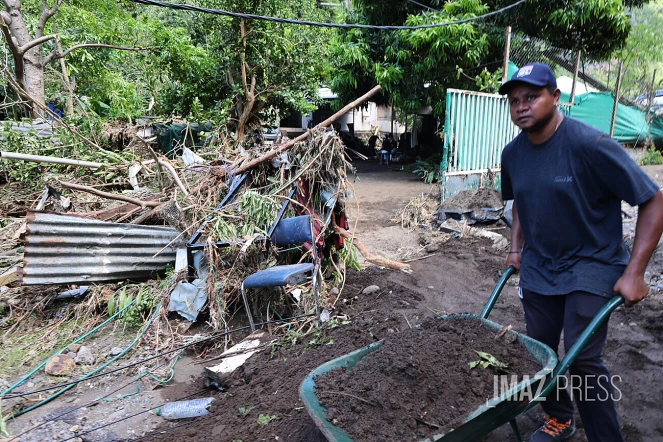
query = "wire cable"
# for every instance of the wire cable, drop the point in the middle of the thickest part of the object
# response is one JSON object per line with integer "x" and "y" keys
{"x": 164, "y": 431}
{"x": 88, "y": 404}
{"x": 423, "y": 6}
{"x": 124, "y": 367}
{"x": 320, "y": 24}
{"x": 77, "y": 435}
{"x": 36, "y": 369}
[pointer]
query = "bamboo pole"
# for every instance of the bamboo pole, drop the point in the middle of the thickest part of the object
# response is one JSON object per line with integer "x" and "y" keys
{"x": 617, "y": 91}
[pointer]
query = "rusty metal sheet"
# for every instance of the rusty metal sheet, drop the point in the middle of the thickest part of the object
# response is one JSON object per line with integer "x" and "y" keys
{"x": 66, "y": 249}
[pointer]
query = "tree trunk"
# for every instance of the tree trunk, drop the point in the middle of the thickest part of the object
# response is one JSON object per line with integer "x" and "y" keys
{"x": 249, "y": 91}
{"x": 34, "y": 79}
{"x": 28, "y": 63}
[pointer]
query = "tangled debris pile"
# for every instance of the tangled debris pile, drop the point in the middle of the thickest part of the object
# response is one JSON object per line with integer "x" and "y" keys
{"x": 142, "y": 235}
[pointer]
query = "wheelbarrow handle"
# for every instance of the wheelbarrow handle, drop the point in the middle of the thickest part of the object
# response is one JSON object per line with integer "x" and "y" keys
{"x": 496, "y": 292}
{"x": 601, "y": 317}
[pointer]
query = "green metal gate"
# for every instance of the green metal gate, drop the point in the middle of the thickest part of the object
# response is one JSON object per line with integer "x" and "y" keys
{"x": 477, "y": 126}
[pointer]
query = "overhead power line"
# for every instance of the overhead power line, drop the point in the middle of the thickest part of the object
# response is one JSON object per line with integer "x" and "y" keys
{"x": 319, "y": 24}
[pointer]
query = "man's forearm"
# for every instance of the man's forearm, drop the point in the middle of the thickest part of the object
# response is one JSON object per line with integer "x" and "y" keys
{"x": 648, "y": 231}
{"x": 517, "y": 238}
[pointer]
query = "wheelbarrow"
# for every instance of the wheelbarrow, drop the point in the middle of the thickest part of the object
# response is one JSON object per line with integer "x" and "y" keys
{"x": 491, "y": 415}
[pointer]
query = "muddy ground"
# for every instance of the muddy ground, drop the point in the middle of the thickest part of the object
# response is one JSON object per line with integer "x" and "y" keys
{"x": 458, "y": 277}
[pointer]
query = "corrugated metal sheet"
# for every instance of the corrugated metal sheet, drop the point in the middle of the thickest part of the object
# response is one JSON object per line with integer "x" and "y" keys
{"x": 65, "y": 249}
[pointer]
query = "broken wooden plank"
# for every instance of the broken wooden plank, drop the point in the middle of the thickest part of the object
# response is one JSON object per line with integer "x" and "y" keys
{"x": 9, "y": 276}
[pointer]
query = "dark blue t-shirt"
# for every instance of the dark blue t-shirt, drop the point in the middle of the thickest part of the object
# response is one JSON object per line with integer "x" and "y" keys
{"x": 568, "y": 192}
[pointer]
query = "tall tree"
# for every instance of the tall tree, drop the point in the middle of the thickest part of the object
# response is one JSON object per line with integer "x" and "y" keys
{"x": 24, "y": 26}
{"x": 258, "y": 68}
{"x": 415, "y": 67}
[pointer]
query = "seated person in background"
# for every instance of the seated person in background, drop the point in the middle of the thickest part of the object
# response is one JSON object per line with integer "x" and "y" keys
{"x": 372, "y": 141}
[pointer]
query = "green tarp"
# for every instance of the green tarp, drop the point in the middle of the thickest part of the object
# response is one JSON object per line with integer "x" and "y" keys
{"x": 631, "y": 127}
{"x": 173, "y": 136}
{"x": 595, "y": 109}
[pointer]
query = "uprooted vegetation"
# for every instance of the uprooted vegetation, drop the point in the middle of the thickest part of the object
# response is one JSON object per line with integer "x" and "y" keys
{"x": 138, "y": 185}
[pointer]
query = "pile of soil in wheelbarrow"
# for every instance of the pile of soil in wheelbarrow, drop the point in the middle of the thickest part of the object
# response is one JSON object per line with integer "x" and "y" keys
{"x": 419, "y": 383}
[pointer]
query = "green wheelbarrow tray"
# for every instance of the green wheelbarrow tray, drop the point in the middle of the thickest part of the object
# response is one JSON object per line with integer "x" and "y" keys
{"x": 494, "y": 413}
{"x": 478, "y": 423}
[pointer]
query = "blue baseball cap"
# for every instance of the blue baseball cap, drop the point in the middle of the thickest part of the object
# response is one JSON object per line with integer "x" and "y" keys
{"x": 537, "y": 74}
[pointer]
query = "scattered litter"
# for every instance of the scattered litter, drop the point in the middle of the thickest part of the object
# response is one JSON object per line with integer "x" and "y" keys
{"x": 185, "y": 409}
{"x": 75, "y": 293}
{"x": 190, "y": 158}
{"x": 188, "y": 298}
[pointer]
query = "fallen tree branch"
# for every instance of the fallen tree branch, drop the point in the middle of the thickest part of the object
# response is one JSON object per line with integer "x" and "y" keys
{"x": 368, "y": 256}
{"x": 273, "y": 153}
{"x": 111, "y": 196}
{"x": 19, "y": 90}
{"x": 144, "y": 217}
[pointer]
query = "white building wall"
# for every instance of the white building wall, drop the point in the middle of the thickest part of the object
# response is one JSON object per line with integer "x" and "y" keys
{"x": 364, "y": 118}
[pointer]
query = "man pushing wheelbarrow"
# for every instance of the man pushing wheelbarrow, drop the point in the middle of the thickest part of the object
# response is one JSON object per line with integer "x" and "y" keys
{"x": 567, "y": 181}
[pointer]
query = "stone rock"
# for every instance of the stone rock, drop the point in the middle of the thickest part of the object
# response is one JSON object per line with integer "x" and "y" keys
{"x": 74, "y": 347}
{"x": 451, "y": 226}
{"x": 370, "y": 289}
{"x": 432, "y": 247}
{"x": 60, "y": 365}
{"x": 72, "y": 355}
{"x": 84, "y": 356}
{"x": 334, "y": 292}
{"x": 116, "y": 351}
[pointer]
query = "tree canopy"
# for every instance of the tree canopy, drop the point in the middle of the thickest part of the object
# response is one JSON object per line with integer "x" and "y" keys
{"x": 121, "y": 59}
{"x": 415, "y": 67}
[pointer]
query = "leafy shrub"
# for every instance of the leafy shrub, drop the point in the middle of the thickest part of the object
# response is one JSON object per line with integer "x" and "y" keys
{"x": 652, "y": 157}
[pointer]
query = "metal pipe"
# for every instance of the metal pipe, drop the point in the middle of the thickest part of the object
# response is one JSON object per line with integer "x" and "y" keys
{"x": 43, "y": 159}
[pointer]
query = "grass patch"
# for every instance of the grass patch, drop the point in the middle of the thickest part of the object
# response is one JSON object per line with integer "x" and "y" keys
{"x": 24, "y": 350}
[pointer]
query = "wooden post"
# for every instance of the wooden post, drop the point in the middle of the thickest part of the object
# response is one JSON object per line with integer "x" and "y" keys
{"x": 617, "y": 90}
{"x": 575, "y": 77}
{"x": 652, "y": 94}
{"x": 507, "y": 53}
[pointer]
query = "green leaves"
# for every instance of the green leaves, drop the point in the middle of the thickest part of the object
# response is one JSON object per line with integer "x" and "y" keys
{"x": 408, "y": 64}
{"x": 264, "y": 419}
{"x": 488, "y": 360}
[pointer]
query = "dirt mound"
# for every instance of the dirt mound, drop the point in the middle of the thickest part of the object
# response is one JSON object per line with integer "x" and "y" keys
{"x": 473, "y": 199}
{"x": 419, "y": 383}
{"x": 263, "y": 396}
